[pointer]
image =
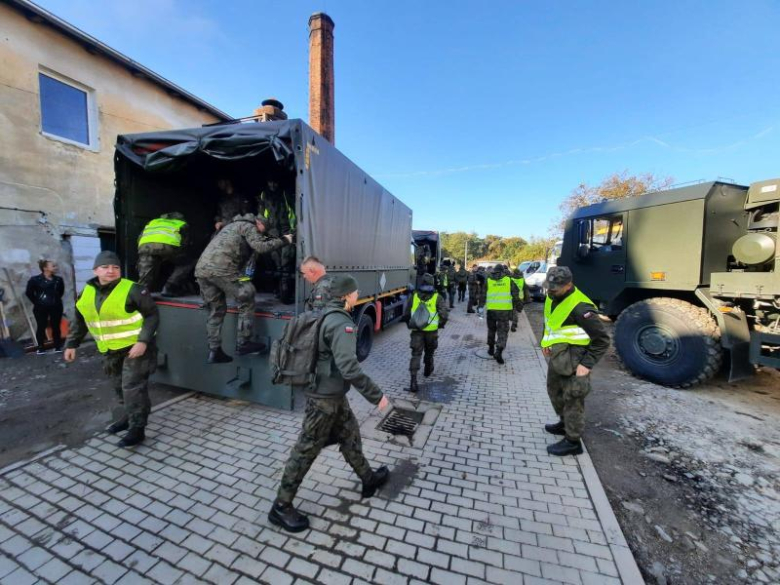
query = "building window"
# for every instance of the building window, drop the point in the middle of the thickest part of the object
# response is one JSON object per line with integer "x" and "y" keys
{"x": 66, "y": 110}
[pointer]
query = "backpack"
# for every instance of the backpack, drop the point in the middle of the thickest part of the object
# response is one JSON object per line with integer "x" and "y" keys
{"x": 293, "y": 358}
{"x": 421, "y": 318}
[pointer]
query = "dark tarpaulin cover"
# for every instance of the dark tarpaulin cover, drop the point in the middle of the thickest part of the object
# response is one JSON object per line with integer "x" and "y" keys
{"x": 345, "y": 217}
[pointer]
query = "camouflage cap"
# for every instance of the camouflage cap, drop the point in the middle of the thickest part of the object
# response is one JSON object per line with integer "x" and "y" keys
{"x": 426, "y": 283}
{"x": 342, "y": 284}
{"x": 558, "y": 276}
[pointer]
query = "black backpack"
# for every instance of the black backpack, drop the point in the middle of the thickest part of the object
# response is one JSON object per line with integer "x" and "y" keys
{"x": 293, "y": 358}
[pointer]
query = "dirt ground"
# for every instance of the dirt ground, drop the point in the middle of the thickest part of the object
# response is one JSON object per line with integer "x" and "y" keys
{"x": 45, "y": 402}
{"x": 693, "y": 475}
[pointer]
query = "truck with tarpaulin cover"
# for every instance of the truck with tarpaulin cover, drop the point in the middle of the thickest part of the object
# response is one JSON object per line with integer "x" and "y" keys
{"x": 691, "y": 274}
{"x": 342, "y": 216}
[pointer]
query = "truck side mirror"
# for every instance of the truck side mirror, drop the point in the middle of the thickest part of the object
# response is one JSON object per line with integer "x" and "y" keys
{"x": 582, "y": 251}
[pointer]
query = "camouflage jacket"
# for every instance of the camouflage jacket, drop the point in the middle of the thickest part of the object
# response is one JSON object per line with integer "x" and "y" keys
{"x": 320, "y": 293}
{"x": 461, "y": 276}
{"x": 229, "y": 251}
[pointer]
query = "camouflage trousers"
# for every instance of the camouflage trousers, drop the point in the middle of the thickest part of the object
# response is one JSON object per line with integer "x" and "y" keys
{"x": 215, "y": 291}
{"x": 422, "y": 341}
{"x": 566, "y": 390}
{"x": 328, "y": 421}
{"x": 515, "y": 316}
{"x": 461, "y": 291}
{"x": 151, "y": 258}
{"x": 451, "y": 295}
{"x": 129, "y": 378}
{"x": 472, "y": 296}
{"x": 498, "y": 323}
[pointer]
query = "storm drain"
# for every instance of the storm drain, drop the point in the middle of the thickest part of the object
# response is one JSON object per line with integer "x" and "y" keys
{"x": 401, "y": 421}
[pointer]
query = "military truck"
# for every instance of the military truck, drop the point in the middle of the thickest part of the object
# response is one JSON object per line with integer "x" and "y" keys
{"x": 342, "y": 216}
{"x": 691, "y": 274}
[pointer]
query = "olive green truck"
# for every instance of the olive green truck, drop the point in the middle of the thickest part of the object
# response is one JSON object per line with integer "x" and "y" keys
{"x": 692, "y": 276}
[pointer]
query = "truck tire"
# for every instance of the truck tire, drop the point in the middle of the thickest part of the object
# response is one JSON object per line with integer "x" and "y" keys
{"x": 365, "y": 336}
{"x": 669, "y": 341}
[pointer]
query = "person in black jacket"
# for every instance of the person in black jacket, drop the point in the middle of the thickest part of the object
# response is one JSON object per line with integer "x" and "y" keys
{"x": 45, "y": 293}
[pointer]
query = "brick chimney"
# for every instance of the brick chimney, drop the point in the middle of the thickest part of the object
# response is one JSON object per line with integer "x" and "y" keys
{"x": 322, "y": 115}
{"x": 270, "y": 109}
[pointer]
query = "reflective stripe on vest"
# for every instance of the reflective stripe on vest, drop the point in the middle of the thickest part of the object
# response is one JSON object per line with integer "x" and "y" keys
{"x": 555, "y": 331}
{"x": 430, "y": 304}
{"x": 499, "y": 294}
{"x": 113, "y": 327}
{"x": 162, "y": 231}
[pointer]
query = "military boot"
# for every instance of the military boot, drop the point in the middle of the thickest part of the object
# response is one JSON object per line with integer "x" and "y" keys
{"x": 500, "y": 355}
{"x": 217, "y": 356}
{"x": 413, "y": 384}
{"x": 491, "y": 349}
{"x": 514, "y": 328}
{"x": 117, "y": 427}
{"x": 378, "y": 479}
{"x": 556, "y": 428}
{"x": 250, "y": 347}
{"x": 287, "y": 517}
{"x": 565, "y": 447}
{"x": 428, "y": 369}
{"x": 133, "y": 437}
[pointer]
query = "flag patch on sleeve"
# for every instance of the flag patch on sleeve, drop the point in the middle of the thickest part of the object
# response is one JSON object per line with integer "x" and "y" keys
{"x": 349, "y": 329}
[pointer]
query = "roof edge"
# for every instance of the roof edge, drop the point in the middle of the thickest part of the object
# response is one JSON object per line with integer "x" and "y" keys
{"x": 38, "y": 14}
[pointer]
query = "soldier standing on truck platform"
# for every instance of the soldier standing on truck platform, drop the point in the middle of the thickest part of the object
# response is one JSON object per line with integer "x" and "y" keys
{"x": 165, "y": 239}
{"x": 329, "y": 418}
{"x": 230, "y": 204}
{"x": 425, "y": 340}
{"x": 499, "y": 298}
{"x": 574, "y": 339}
{"x": 519, "y": 280}
{"x": 273, "y": 205}
{"x": 473, "y": 287}
{"x": 219, "y": 274}
{"x": 122, "y": 318}
{"x": 461, "y": 278}
{"x": 313, "y": 272}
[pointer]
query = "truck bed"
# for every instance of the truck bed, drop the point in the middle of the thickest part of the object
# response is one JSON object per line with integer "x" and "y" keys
{"x": 266, "y": 304}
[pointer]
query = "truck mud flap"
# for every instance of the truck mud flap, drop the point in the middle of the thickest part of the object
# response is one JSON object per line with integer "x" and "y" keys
{"x": 735, "y": 336}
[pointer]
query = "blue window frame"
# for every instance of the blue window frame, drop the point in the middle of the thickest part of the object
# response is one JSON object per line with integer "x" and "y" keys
{"x": 64, "y": 110}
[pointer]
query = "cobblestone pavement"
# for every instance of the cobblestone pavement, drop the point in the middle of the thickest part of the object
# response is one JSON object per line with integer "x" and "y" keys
{"x": 479, "y": 502}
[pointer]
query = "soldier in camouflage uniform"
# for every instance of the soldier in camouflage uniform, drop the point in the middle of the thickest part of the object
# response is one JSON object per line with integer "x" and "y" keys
{"x": 219, "y": 274}
{"x": 525, "y": 295}
{"x": 461, "y": 278}
{"x": 473, "y": 287}
{"x": 425, "y": 340}
{"x": 574, "y": 340}
{"x": 499, "y": 297}
{"x": 279, "y": 212}
{"x": 451, "y": 284}
{"x": 328, "y": 417}
{"x": 230, "y": 204}
{"x": 122, "y": 318}
{"x": 165, "y": 239}
{"x": 313, "y": 272}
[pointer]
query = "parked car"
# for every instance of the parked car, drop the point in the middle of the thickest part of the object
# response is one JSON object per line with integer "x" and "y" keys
{"x": 536, "y": 282}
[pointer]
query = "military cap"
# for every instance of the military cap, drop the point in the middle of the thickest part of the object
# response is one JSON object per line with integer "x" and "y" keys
{"x": 106, "y": 258}
{"x": 342, "y": 285}
{"x": 498, "y": 269}
{"x": 427, "y": 283}
{"x": 558, "y": 276}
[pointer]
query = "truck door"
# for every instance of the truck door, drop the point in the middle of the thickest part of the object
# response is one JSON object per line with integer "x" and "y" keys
{"x": 601, "y": 256}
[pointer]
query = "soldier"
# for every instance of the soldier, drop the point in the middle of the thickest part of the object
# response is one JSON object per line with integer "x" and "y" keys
{"x": 427, "y": 339}
{"x": 122, "y": 318}
{"x": 574, "y": 339}
{"x": 219, "y": 274}
{"x": 231, "y": 204}
{"x": 461, "y": 278}
{"x": 473, "y": 287}
{"x": 165, "y": 239}
{"x": 499, "y": 298}
{"x": 519, "y": 280}
{"x": 451, "y": 285}
{"x": 313, "y": 272}
{"x": 273, "y": 205}
{"x": 329, "y": 418}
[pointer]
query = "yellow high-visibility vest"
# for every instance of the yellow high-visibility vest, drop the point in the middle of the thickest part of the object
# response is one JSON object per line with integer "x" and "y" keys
{"x": 554, "y": 330}
{"x": 430, "y": 304}
{"x": 162, "y": 231}
{"x": 113, "y": 327}
{"x": 499, "y": 294}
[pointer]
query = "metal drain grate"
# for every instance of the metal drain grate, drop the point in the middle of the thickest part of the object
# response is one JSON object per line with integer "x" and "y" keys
{"x": 401, "y": 422}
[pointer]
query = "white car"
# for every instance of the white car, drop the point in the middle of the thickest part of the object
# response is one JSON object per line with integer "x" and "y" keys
{"x": 536, "y": 282}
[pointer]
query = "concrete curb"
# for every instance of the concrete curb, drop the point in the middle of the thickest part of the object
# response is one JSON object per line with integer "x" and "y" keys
{"x": 624, "y": 558}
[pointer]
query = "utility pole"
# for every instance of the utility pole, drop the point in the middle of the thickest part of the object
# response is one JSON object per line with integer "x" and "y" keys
{"x": 466, "y": 255}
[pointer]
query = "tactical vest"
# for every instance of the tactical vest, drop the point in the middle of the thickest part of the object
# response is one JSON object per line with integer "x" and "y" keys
{"x": 555, "y": 331}
{"x": 430, "y": 304}
{"x": 162, "y": 231}
{"x": 113, "y": 328}
{"x": 499, "y": 294}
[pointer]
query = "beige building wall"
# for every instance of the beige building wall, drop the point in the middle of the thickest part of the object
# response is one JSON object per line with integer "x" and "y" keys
{"x": 54, "y": 194}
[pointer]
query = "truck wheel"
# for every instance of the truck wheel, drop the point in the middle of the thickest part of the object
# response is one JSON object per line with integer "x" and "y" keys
{"x": 365, "y": 336}
{"x": 669, "y": 342}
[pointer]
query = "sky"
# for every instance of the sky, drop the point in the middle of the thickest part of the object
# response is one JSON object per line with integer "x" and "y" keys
{"x": 484, "y": 117}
